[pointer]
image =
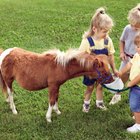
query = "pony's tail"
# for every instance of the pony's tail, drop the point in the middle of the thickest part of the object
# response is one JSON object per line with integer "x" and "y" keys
{"x": 2, "y": 83}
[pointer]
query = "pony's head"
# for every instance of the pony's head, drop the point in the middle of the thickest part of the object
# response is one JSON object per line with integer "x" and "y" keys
{"x": 101, "y": 66}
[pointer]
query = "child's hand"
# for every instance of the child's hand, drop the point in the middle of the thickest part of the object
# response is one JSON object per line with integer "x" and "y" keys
{"x": 119, "y": 74}
{"x": 129, "y": 84}
{"x": 116, "y": 73}
{"x": 123, "y": 56}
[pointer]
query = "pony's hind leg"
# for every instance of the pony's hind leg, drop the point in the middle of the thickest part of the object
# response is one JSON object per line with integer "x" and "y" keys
{"x": 11, "y": 100}
{"x": 4, "y": 88}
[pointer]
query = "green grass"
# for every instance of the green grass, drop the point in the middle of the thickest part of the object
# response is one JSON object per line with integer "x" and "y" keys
{"x": 39, "y": 25}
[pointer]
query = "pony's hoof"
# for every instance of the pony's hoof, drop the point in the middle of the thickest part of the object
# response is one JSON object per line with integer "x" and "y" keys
{"x": 58, "y": 112}
{"x": 15, "y": 112}
{"x": 49, "y": 120}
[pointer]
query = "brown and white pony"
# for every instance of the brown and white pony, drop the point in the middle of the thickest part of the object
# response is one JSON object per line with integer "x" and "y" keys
{"x": 34, "y": 71}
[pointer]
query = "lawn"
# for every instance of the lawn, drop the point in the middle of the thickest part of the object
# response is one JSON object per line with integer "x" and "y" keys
{"x": 40, "y": 25}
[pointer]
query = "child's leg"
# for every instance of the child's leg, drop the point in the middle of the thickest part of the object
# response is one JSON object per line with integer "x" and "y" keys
{"x": 87, "y": 97}
{"x": 137, "y": 117}
{"x": 134, "y": 101}
{"x": 117, "y": 97}
{"x": 88, "y": 92}
{"x": 99, "y": 93}
{"x": 99, "y": 97}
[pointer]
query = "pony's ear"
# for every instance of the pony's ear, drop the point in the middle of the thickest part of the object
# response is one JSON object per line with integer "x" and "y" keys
{"x": 97, "y": 63}
{"x": 102, "y": 64}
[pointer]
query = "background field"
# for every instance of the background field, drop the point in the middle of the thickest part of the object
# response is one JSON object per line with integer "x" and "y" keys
{"x": 39, "y": 25}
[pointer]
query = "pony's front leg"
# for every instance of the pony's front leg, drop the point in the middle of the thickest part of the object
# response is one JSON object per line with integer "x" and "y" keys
{"x": 49, "y": 113}
{"x": 53, "y": 92}
{"x": 11, "y": 101}
{"x": 55, "y": 108}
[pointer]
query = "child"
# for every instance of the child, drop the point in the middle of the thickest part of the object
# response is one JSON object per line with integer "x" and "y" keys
{"x": 134, "y": 96}
{"x": 127, "y": 47}
{"x": 97, "y": 41}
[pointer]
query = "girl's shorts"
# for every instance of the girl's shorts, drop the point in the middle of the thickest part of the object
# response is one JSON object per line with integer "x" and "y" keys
{"x": 88, "y": 82}
{"x": 134, "y": 99}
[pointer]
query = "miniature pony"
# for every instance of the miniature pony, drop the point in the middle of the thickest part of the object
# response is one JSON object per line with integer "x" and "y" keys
{"x": 51, "y": 69}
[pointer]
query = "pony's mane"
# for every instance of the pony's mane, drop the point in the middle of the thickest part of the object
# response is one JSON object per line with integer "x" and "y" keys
{"x": 63, "y": 58}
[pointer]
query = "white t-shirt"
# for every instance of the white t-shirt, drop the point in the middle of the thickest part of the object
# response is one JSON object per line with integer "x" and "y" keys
{"x": 128, "y": 36}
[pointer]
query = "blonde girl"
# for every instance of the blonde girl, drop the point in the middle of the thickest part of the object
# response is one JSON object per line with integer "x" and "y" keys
{"x": 127, "y": 46}
{"x": 97, "y": 41}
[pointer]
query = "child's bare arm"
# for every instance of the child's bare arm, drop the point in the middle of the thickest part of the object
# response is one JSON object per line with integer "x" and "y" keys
{"x": 112, "y": 63}
{"x": 122, "y": 54}
{"x": 125, "y": 69}
{"x": 135, "y": 81}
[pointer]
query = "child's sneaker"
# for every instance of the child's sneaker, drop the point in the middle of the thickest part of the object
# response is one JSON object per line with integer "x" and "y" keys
{"x": 115, "y": 99}
{"x": 133, "y": 129}
{"x": 101, "y": 106}
{"x": 86, "y": 108}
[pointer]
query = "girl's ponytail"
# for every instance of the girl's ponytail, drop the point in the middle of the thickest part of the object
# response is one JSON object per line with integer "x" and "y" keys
{"x": 100, "y": 20}
{"x": 100, "y": 11}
